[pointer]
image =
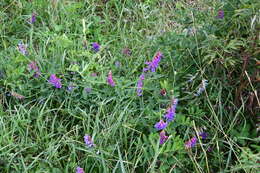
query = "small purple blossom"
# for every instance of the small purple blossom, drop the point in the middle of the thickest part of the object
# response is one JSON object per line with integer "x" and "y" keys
{"x": 202, "y": 87}
{"x": 93, "y": 74}
{"x": 191, "y": 143}
{"x": 169, "y": 116}
{"x": 110, "y": 80}
{"x": 55, "y": 81}
{"x": 153, "y": 65}
{"x": 88, "y": 141}
{"x": 22, "y": 48}
{"x": 140, "y": 85}
{"x": 220, "y": 14}
{"x": 160, "y": 125}
{"x": 88, "y": 90}
{"x": 126, "y": 51}
{"x": 33, "y": 67}
{"x": 71, "y": 87}
{"x": 203, "y": 135}
{"x": 163, "y": 137}
{"x": 33, "y": 18}
{"x": 117, "y": 64}
{"x": 79, "y": 170}
{"x": 95, "y": 47}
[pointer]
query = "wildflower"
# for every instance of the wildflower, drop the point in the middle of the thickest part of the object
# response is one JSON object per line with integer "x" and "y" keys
{"x": 95, "y": 46}
{"x": 126, "y": 51}
{"x": 93, "y": 74}
{"x": 163, "y": 137}
{"x": 88, "y": 90}
{"x": 220, "y": 14}
{"x": 22, "y": 48}
{"x": 140, "y": 85}
{"x": 203, "y": 135}
{"x": 71, "y": 87}
{"x": 202, "y": 87}
{"x": 160, "y": 125}
{"x": 110, "y": 80}
{"x": 152, "y": 66}
{"x": 55, "y": 81}
{"x": 88, "y": 141}
{"x": 33, "y": 67}
{"x": 163, "y": 92}
{"x": 33, "y": 18}
{"x": 169, "y": 116}
{"x": 79, "y": 170}
{"x": 117, "y": 64}
{"x": 191, "y": 143}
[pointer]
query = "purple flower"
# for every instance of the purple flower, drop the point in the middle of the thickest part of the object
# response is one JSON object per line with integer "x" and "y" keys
{"x": 88, "y": 90}
{"x": 88, "y": 141}
{"x": 33, "y": 18}
{"x": 152, "y": 66}
{"x": 93, "y": 74}
{"x": 169, "y": 116}
{"x": 95, "y": 46}
{"x": 126, "y": 51}
{"x": 71, "y": 87}
{"x": 79, "y": 170}
{"x": 191, "y": 143}
{"x": 203, "y": 135}
{"x": 55, "y": 81}
{"x": 22, "y": 48}
{"x": 140, "y": 85}
{"x": 220, "y": 14}
{"x": 33, "y": 67}
{"x": 160, "y": 125}
{"x": 163, "y": 137}
{"x": 202, "y": 87}
{"x": 117, "y": 64}
{"x": 110, "y": 80}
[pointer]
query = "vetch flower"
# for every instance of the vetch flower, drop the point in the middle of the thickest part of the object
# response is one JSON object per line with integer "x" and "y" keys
{"x": 203, "y": 135}
{"x": 160, "y": 125}
{"x": 93, "y": 74}
{"x": 33, "y": 18}
{"x": 88, "y": 141}
{"x": 110, "y": 80}
{"x": 163, "y": 92}
{"x": 169, "y": 116}
{"x": 191, "y": 143}
{"x": 202, "y": 87}
{"x": 153, "y": 65}
{"x": 22, "y": 48}
{"x": 163, "y": 137}
{"x": 79, "y": 170}
{"x": 55, "y": 81}
{"x": 220, "y": 14}
{"x": 95, "y": 47}
{"x": 126, "y": 51}
{"x": 88, "y": 90}
{"x": 140, "y": 85}
{"x": 71, "y": 87}
{"x": 33, "y": 67}
{"x": 117, "y": 64}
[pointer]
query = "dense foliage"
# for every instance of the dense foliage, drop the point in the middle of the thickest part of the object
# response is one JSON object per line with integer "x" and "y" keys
{"x": 83, "y": 84}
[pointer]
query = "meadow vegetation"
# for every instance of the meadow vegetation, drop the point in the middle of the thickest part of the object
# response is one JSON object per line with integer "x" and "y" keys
{"x": 129, "y": 86}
